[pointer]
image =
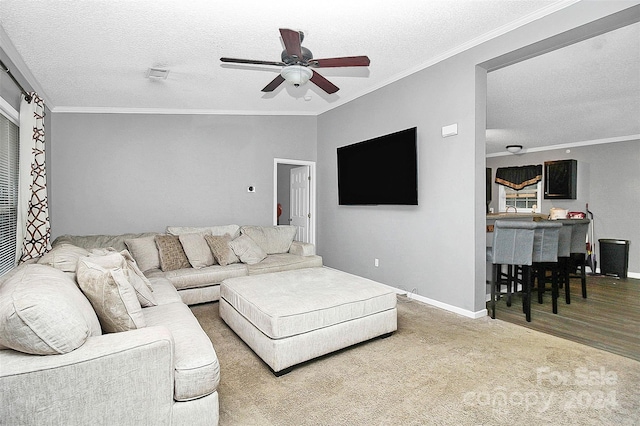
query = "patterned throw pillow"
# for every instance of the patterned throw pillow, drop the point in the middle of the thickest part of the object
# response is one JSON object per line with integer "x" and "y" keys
{"x": 112, "y": 296}
{"x": 111, "y": 259}
{"x": 219, "y": 246}
{"x": 172, "y": 255}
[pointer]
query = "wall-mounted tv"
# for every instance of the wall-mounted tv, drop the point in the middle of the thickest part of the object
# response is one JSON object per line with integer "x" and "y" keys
{"x": 383, "y": 170}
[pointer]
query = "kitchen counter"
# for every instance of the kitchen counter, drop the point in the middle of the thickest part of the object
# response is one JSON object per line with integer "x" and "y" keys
{"x": 516, "y": 216}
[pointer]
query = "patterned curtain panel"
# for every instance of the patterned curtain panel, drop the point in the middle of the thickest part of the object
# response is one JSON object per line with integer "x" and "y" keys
{"x": 519, "y": 177}
{"x": 33, "y": 232}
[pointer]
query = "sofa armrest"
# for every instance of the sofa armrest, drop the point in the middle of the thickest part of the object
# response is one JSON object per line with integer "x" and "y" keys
{"x": 302, "y": 249}
{"x": 126, "y": 378}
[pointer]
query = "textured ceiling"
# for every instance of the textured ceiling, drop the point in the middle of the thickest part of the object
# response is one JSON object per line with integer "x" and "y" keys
{"x": 585, "y": 92}
{"x": 93, "y": 55}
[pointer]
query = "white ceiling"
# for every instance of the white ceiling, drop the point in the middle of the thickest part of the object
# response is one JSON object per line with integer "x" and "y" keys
{"x": 94, "y": 55}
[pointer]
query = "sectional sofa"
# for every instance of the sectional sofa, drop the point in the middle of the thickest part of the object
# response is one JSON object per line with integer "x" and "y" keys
{"x": 98, "y": 331}
{"x": 201, "y": 283}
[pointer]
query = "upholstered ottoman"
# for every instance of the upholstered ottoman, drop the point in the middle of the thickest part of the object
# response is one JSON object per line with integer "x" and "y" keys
{"x": 291, "y": 317}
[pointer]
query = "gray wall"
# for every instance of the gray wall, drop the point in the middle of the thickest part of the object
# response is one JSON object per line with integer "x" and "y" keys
{"x": 114, "y": 173}
{"x": 608, "y": 179}
{"x": 122, "y": 173}
{"x": 438, "y": 247}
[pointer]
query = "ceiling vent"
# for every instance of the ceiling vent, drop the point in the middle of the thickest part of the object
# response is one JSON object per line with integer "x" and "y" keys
{"x": 157, "y": 74}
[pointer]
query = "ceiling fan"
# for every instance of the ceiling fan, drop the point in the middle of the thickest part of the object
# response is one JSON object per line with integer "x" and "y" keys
{"x": 297, "y": 62}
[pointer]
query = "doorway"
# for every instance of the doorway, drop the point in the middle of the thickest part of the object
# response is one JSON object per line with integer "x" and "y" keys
{"x": 294, "y": 201}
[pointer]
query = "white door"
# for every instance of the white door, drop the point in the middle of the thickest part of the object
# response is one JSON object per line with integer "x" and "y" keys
{"x": 299, "y": 202}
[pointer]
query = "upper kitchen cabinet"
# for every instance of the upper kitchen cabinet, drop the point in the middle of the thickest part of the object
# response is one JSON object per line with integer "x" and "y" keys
{"x": 560, "y": 179}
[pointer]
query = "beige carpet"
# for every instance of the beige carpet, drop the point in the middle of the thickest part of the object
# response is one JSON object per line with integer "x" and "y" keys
{"x": 439, "y": 368}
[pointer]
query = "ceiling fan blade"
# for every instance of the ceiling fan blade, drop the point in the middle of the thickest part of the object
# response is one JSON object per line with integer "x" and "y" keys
{"x": 345, "y": 61}
{"x": 274, "y": 83}
{"x": 252, "y": 61}
{"x": 292, "y": 42}
{"x": 323, "y": 83}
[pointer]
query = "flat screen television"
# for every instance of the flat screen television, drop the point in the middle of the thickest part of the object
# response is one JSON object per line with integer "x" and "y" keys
{"x": 383, "y": 170}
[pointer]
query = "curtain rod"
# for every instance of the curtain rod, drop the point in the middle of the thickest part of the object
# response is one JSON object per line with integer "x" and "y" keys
{"x": 27, "y": 96}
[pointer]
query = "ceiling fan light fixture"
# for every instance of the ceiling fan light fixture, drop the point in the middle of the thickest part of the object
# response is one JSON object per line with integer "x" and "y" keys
{"x": 514, "y": 149}
{"x": 296, "y": 74}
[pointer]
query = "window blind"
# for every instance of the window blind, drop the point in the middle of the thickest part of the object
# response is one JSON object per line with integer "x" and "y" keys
{"x": 8, "y": 192}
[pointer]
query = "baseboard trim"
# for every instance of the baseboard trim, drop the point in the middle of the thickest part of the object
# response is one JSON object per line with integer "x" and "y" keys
{"x": 456, "y": 310}
{"x": 437, "y": 304}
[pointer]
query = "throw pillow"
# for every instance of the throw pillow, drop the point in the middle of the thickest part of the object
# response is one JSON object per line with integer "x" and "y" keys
{"x": 63, "y": 257}
{"x": 145, "y": 252}
{"x": 197, "y": 250}
{"x": 219, "y": 246}
{"x": 172, "y": 255}
{"x": 42, "y": 312}
{"x": 247, "y": 250}
{"x": 111, "y": 295}
{"x": 133, "y": 266}
{"x": 111, "y": 259}
{"x": 272, "y": 239}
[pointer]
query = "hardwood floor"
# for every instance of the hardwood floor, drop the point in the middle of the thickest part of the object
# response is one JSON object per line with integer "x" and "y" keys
{"x": 608, "y": 319}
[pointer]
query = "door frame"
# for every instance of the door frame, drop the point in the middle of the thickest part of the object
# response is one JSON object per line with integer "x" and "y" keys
{"x": 312, "y": 191}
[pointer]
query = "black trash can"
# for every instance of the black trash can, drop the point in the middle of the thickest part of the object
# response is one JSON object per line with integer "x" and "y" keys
{"x": 614, "y": 257}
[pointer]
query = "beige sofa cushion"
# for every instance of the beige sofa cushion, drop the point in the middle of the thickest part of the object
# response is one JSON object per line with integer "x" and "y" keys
{"x": 101, "y": 241}
{"x": 63, "y": 257}
{"x": 43, "y": 312}
{"x": 145, "y": 251}
{"x": 219, "y": 230}
{"x": 197, "y": 250}
{"x": 247, "y": 250}
{"x": 195, "y": 278}
{"x": 221, "y": 250}
{"x": 302, "y": 249}
{"x": 272, "y": 239}
{"x": 197, "y": 371}
{"x": 172, "y": 255}
{"x": 284, "y": 262}
{"x": 112, "y": 296}
{"x": 164, "y": 292}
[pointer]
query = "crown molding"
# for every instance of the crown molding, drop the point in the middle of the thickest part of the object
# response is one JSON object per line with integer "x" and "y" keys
{"x": 170, "y": 111}
{"x": 628, "y": 138}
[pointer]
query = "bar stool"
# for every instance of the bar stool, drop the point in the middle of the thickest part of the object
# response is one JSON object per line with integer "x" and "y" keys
{"x": 579, "y": 230}
{"x": 545, "y": 256}
{"x": 561, "y": 268}
{"x": 512, "y": 245}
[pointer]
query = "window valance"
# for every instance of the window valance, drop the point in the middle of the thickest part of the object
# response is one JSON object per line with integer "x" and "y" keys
{"x": 519, "y": 177}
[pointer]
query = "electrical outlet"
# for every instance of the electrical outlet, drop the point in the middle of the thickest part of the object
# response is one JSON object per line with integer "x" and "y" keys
{"x": 376, "y": 262}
